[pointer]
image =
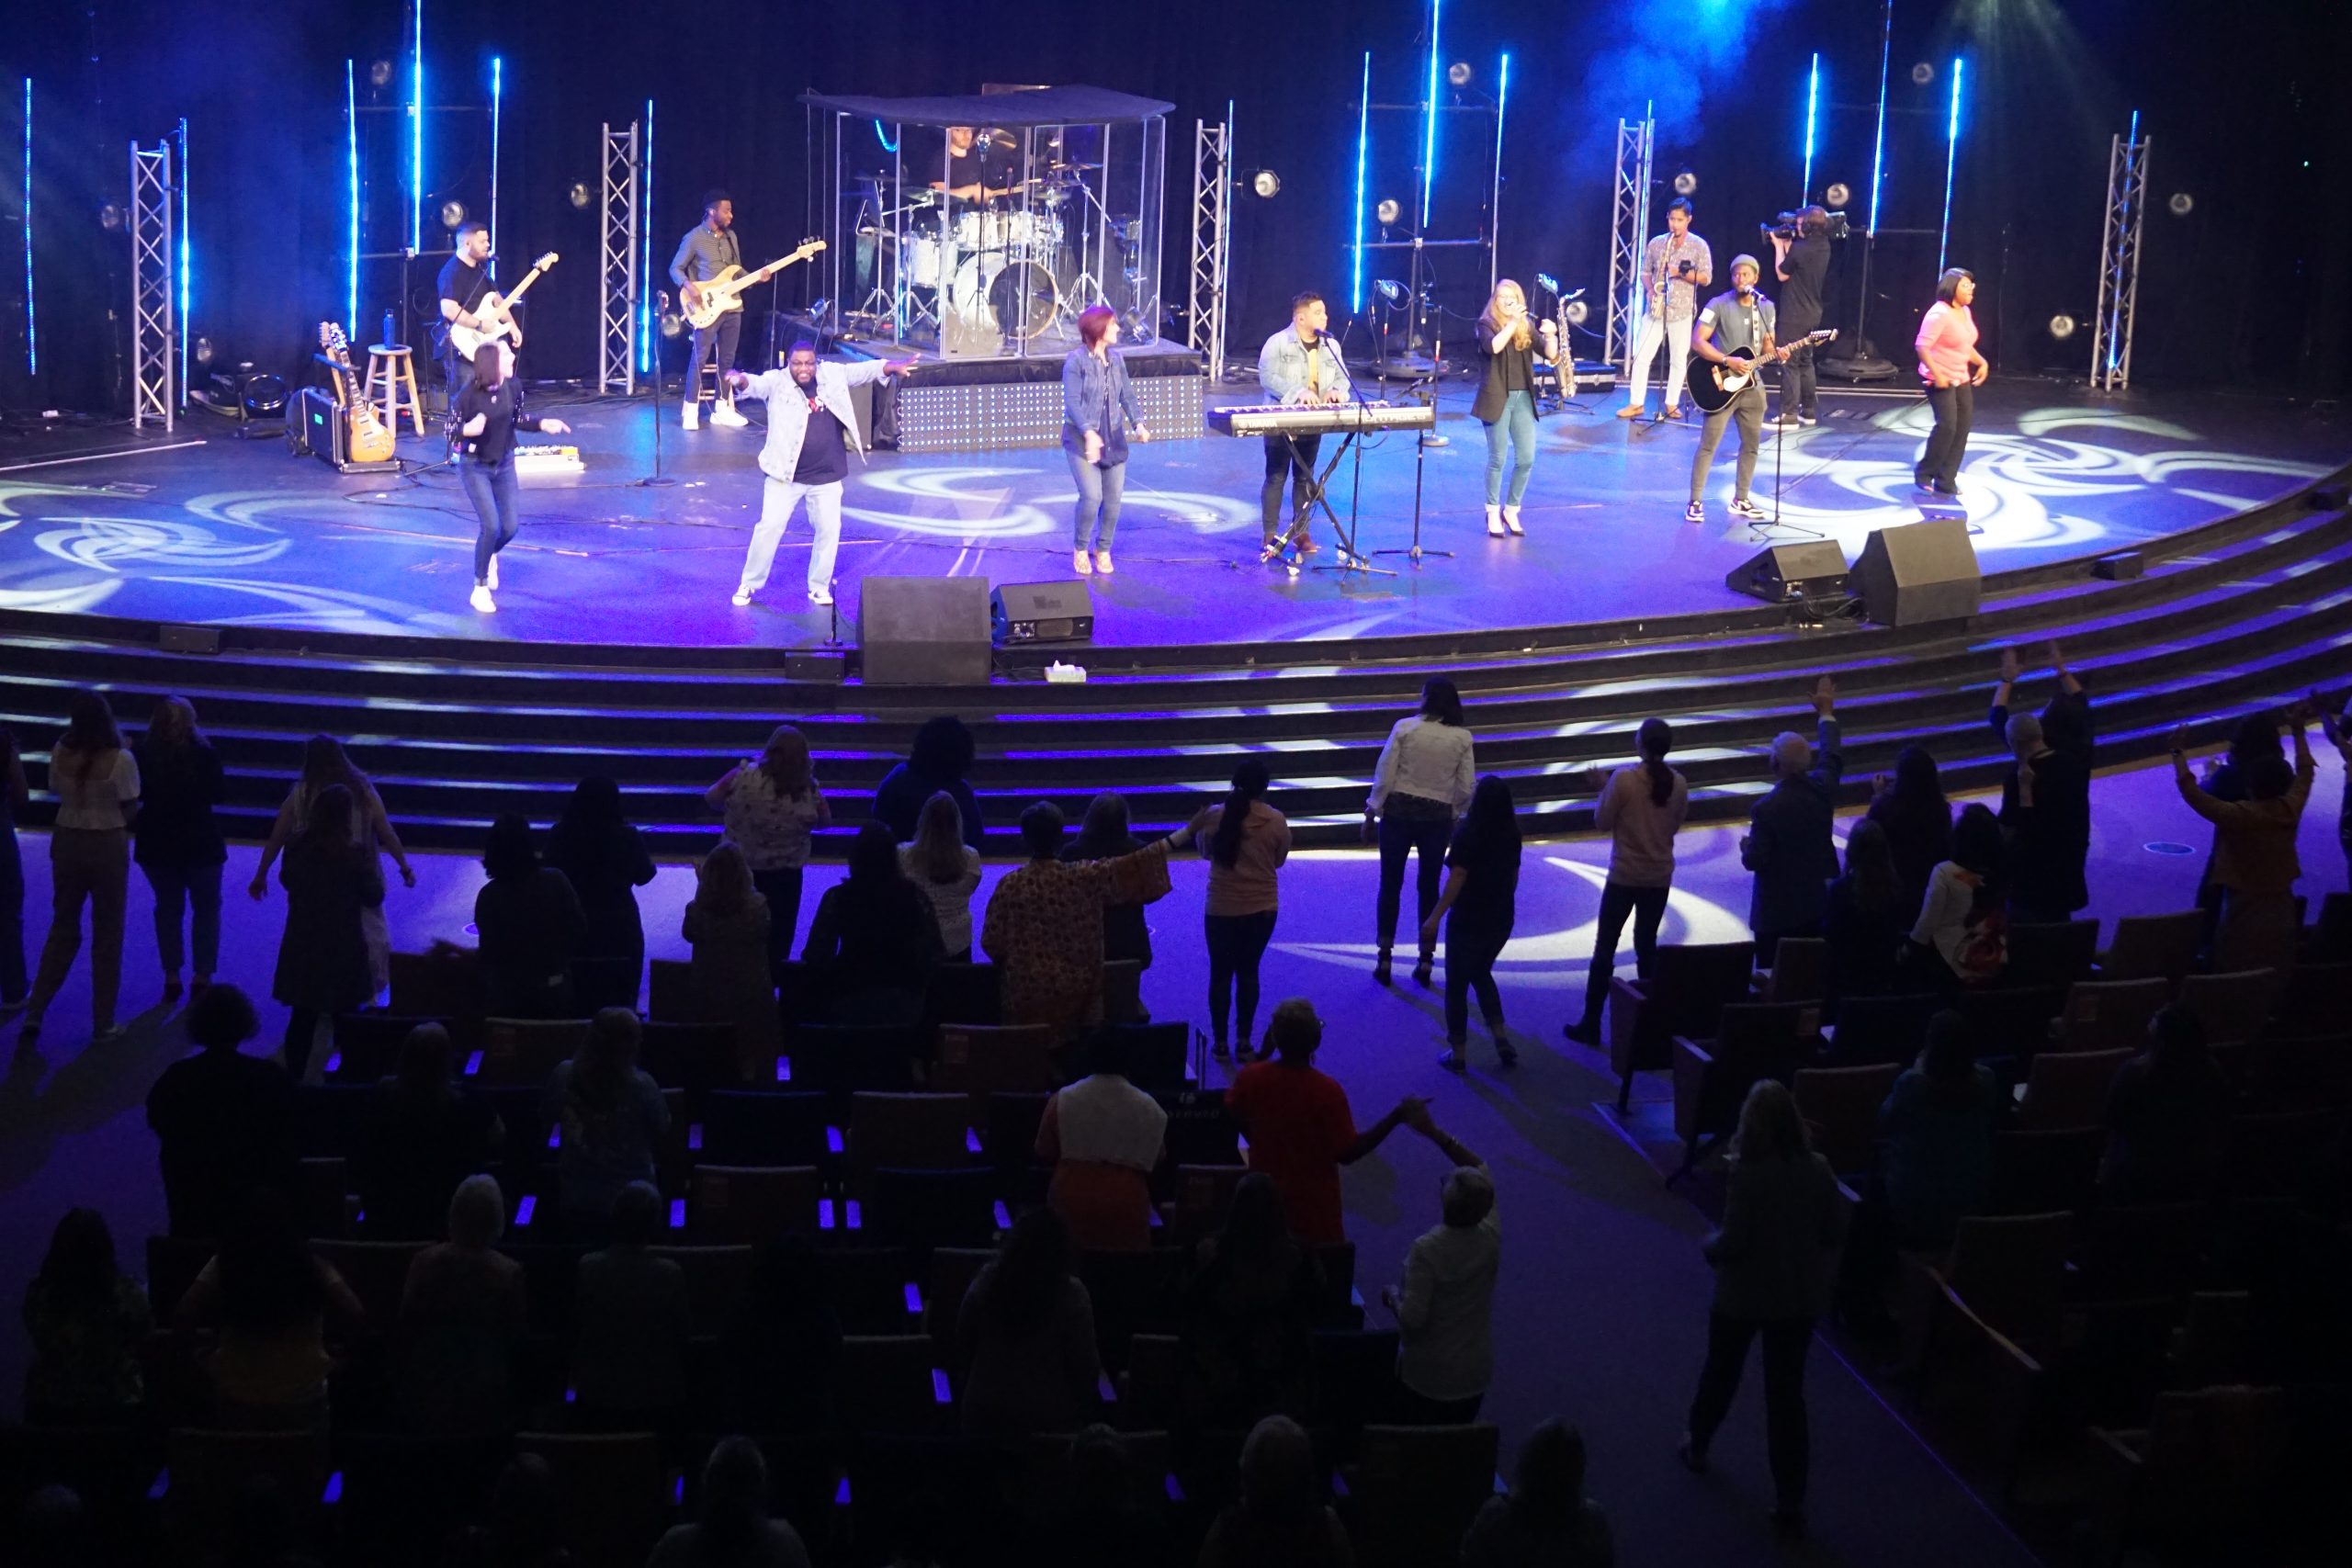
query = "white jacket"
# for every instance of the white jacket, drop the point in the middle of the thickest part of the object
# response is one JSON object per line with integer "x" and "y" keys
{"x": 788, "y": 410}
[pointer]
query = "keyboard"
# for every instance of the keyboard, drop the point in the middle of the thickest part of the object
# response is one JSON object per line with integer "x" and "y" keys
{"x": 1295, "y": 419}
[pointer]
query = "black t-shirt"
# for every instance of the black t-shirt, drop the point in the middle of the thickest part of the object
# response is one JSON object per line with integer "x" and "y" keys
{"x": 463, "y": 282}
{"x": 503, "y": 415}
{"x": 1808, "y": 265}
{"x": 824, "y": 457}
{"x": 1490, "y": 894}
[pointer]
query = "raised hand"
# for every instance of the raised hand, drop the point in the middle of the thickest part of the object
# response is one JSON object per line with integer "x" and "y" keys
{"x": 1825, "y": 694}
{"x": 2057, "y": 658}
{"x": 2178, "y": 740}
{"x": 2009, "y": 664}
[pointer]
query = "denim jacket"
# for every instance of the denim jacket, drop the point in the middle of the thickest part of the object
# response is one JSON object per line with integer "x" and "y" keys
{"x": 1282, "y": 367}
{"x": 1088, "y": 387}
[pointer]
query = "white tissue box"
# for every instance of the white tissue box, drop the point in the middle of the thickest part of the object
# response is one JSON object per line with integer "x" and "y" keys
{"x": 1060, "y": 675}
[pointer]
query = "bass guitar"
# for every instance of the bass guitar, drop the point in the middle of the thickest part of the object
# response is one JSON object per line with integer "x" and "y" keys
{"x": 495, "y": 313}
{"x": 365, "y": 439}
{"x": 725, "y": 292}
{"x": 1715, "y": 389}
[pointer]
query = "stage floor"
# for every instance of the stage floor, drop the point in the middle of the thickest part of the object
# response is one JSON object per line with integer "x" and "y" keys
{"x": 200, "y": 528}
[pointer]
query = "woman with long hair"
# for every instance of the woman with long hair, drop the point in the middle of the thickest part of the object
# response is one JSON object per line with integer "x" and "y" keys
{"x": 1025, "y": 1335}
{"x": 530, "y": 924}
{"x": 1482, "y": 898}
{"x": 1251, "y": 1308}
{"x": 1641, "y": 808}
{"x": 1936, "y": 1128}
{"x": 1866, "y": 918}
{"x": 175, "y": 841}
{"x": 485, "y": 417}
{"x": 1783, "y": 1219}
{"x": 730, "y": 980}
{"x": 274, "y": 1304}
{"x": 611, "y": 1114}
{"x": 1421, "y": 784}
{"x": 1510, "y": 344}
{"x": 731, "y": 1528}
{"x": 97, "y": 784}
{"x": 947, "y": 869}
{"x": 325, "y": 764}
{"x": 770, "y": 807}
{"x": 1106, "y": 832}
{"x": 89, "y": 1325}
{"x": 1951, "y": 370}
{"x": 603, "y": 857}
{"x": 1099, "y": 409}
{"x": 322, "y": 961}
{"x": 1546, "y": 1517}
{"x": 1246, "y": 841}
{"x": 1911, "y": 807}
{"x": 1962, "y": 934}
{"x": 874, "y": 939}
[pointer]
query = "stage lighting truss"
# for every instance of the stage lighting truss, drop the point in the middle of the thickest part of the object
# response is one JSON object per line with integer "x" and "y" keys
{"x": 1212, "y": 242}
{"x": 2119, "y": 269}
{"x": 155, "y": 321}
{"x": 1629, "y": 224}
{"x": 616, "y": 356}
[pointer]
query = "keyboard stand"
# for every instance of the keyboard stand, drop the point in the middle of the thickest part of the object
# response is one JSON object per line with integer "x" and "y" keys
{"x": 1344, "y": 537}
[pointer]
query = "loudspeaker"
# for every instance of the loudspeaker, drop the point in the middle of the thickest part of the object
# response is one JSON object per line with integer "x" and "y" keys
{"x": 814, "y": 666}
{"x": 924, "y": 631}
{"x": 2121, "y": 566}
{"x": 189, "y": 639}
{"x": 1042, "y": 612}
{"x": 1812, "y": 570}
{"x": 1919, "y": 572}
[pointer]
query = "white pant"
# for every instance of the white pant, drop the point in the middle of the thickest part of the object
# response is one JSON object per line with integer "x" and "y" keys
{"x": 1677, "y": 356}
{"x": 776, "y": 503}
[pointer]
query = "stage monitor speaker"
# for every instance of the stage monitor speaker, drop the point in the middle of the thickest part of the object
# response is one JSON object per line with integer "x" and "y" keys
{"x": 1919, "y": 572}
{"x": 1042, "y": 612}
{"x": 924, "y": 631}
{"x": 1815, "y": 569}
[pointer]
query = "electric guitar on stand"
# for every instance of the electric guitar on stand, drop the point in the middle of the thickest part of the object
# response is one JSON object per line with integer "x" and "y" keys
{"x": 1714, "y": 390}
{"x": 366, "y": 439}
{"x": 725, "y": 292}
{"x": 494, "y": 312}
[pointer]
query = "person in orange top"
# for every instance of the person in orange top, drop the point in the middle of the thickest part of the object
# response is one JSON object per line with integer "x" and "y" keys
{"x": 1952, "y": 370}
{"x": 2254, "y": 862}
{"x": 1300, "y": 1127}
{"x": 1246, "y": 841}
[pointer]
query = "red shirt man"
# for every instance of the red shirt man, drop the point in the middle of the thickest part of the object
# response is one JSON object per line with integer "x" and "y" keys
{"x": 1300, "y": 1127}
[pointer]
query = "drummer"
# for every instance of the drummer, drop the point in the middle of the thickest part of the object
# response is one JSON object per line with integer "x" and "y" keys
{"x": 973, "y": 171}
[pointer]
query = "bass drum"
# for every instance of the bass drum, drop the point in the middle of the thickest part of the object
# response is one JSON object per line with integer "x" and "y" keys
{"x": 1025, "y": 299}
{"x": 968, "y": 296}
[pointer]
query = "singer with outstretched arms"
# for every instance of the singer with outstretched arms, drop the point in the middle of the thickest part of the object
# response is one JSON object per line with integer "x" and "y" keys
{"x": 1299, "y": 364}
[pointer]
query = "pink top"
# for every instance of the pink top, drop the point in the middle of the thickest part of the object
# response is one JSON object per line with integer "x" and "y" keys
{"x": 1946, "y": 338}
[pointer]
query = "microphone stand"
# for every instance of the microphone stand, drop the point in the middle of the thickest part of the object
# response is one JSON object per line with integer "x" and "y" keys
{"x": 657, "y": 479}
{"x": 1350, "y": 559}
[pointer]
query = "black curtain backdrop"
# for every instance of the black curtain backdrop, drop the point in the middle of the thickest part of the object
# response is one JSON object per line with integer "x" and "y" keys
{"x": 2247, "y": 289}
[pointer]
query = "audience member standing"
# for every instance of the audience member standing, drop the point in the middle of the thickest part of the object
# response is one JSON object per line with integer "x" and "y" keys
{"x": 1299, "y": 1125}
{"x": 325, "y": 764}
{"x": 96, "y": 786}
{"x": 1445, "y": 1350}
{"x": 1961, "y": 935}
{"x": 530, "y": 926}
{"x": 938, "y": 761}
{"x": 874, "y": 939}
{"x": 1867, "y": 917}
{"x": 1641, "y": 808}
{"x": 1937, "y": 1127}
{"x": 2339, "y": 735}
{"x": 2046, "y": 795}
{"x": 1421, "y": 784}
{"x": 1775, "y": 1259}
{"x": 1545, "y": 1520}
{"x": 1247, "y": 841}
{"x": 729, "y": 980}
{"x": 2254, "y": 862}
{"x": 1280, "y": 1520}
{"x": 462, "y": 1317}
{"x": 1911, "y": 808}
{"x": 1251, "y": 1308}
{"x": 771, "y": 807}
{"x": 272, "y": 1304}
{"x": 610, "y": 1114}
{"x": 426, "y": 1132}
{"x": 947, "y": 870}
{"x": 1788, "y": 844}
{"x": 1103, "y": 1137}
{"x": 15, "y": 985}
{"x": 223, "y": 1121}
{"x": 628, "y": 1363}
{"x": 1024, "y": 1333}
{"x": 1044, "y": 928}
{"x": 782, "y": 1346}
{"x": 2166, "y": 1111}
{"x": 323, "y": 960}
{"x": 731, "y": 1528}
{"x": 1106, "y": 833}
{"x": 1480, "y": 904}
{"x": 175, "y": 841}
{"x": 89, "y": 1323}
{"x": 525, "y": 1524}
{"x": 603, "y": 857}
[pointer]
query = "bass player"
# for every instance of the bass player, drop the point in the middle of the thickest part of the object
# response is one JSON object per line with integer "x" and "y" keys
{"x": 709, "y": 248}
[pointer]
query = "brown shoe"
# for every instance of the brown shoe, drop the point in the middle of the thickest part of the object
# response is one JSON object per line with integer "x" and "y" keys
{"x": 1310, "y": 547}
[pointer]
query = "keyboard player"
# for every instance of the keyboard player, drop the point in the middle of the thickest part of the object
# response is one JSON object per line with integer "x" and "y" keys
{"x": 1300, "y": 365}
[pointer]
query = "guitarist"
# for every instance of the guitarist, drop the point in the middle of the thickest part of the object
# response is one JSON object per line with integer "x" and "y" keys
{"x": 465, "y": 278}
{"x": 709, "y": 248}
{"x": 1740, "y": 320}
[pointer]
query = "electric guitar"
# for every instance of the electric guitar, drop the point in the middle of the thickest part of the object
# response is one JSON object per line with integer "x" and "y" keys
{"x": 725, "y": 292}
{"x": 1714, "y": 390}
{"x": 365, "y": 437}
{"x": 497, "y": 323}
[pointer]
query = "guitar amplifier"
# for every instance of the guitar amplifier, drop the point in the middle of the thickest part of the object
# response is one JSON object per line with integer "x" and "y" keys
{"x": 324, "y": 432}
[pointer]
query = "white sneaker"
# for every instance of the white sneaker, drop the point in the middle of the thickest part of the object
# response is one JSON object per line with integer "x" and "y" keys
{"x": 725, "y": 414}
{"x": 742, "y": 598}
{"x": 1743, "y": 507}
{"x": 482, "y": 601}
{"x": 820, "y": 596}
{"x": 690, "y": 416}
{"x": 493, "y": 571}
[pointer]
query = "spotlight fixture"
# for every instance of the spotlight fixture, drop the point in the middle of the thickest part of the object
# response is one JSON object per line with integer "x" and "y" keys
{"x": 110, "y": 217}
{"x": 1685, "y": 183}
{"x": 1458, "y": 74}
{"x": 2061, "y": 326}
{"x": 1577, "y": 311}
{"x": 1837, "y": 196}
{"x": 452, "y": 214}
{"x": 202, "y": 351}
{"x": 1266, "y": 184}
{"x": 380, "y": 73}
{"x": 2182, "y": 204}
{"x": 579, "y": 195}
{"x": 1390, "y": 290}
{"x": 1923, "y": 74}
{"x": 672, "y": 324}
{"x": 1387, "y": 212}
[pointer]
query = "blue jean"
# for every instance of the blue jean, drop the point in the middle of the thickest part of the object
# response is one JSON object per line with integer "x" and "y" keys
{"x": 1407, "y": 828}
{"x": 1100, "y": 488}
{"x": 197, "y": 888}
{"x": 491, "y": 487}
{"x": 1471, "y": 949}
{"x": 1517, "y": 426}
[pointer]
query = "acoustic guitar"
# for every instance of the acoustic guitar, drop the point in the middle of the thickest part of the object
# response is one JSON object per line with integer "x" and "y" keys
{"x": 365, "y": 439}
{"x": 1715, "y": 389}
{"x": 725, "y": 292}
{"x": 495, "y": 313}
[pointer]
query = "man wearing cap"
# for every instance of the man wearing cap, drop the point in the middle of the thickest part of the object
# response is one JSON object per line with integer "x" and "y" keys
{"x": 1742, "y": 319}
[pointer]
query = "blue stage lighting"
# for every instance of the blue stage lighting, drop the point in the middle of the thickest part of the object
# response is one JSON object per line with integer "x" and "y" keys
{"x": 1364, "y": 133}
{"x": 32, "y": 329}
{"x": 1951, "y": 160}
{"x": 186, "y": 337}
{"x": 351, "y": 155}
{"x": 645, "y": 221}
{"x": 1812, "y": 117}
{"x": 1429, "y": 131}
{"x": 884, "y": 137}
{"x": 1502, "y": 98}
{"x": 497, "y": 103}
{"x": 416, "y": 143}
{"x": 1878, "y": 145}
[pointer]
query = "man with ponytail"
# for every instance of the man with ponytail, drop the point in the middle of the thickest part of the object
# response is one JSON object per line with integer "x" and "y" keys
{"x": 1641, "y": 808}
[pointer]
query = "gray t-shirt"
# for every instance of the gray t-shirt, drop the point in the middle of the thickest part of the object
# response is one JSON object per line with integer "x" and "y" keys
{"x": 1735, "y": 325}
{"x": 704, "y": 253}
{"x": 1664, "y": 254}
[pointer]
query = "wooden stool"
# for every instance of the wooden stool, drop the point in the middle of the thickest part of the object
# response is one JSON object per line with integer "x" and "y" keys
{"x": 710, "y": 388}
{"x": 395, "y": 368}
